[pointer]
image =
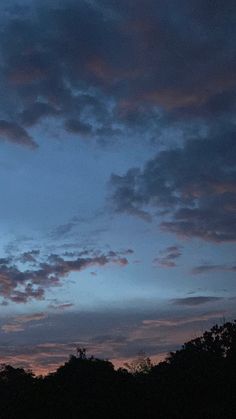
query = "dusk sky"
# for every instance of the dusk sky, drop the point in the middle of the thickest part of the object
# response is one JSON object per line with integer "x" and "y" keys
{"x": 118, "y": 176}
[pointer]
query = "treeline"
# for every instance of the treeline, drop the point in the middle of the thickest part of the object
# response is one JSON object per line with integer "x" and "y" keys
{"x": 196, "y": 382}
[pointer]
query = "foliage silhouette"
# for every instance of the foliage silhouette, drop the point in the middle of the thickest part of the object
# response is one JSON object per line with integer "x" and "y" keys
{"x": 141, "y": 365}
{"x": 198, "y": 382}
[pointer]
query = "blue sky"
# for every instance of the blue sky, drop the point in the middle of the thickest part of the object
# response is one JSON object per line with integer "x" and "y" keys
{"x": 117, "y": 176}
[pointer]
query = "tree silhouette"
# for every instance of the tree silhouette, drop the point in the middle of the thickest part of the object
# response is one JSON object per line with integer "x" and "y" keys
{"x": 218, "y": 343}
{"x": 81, "y": 352}
{"x": 141, "y": 365}
{"x": 197, "y": 381}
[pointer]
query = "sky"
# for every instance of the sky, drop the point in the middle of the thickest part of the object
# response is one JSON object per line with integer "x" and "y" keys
{"x": 117, "y": 177}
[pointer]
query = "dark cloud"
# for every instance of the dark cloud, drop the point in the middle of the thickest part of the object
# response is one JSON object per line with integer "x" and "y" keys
{"x": 5, "y": 261}
{"x": 168, "y": 256}
{"x": 193, "y": 185}
{"x": 14, "y": 133}
{"x": 36, "y": 112}
{"x": 177, "y": 59}
{"x": 29, "y": 291}
{"x": 21, "y": 286}
{"x": 195, "y": 301}
{"x": 48, "y": 73}
{"x": 29, "y": 257}
{"x": 127, "y": 252}
{"x": 213, "y": 268}
{"x": 118, "y": 65}
{"x": 78, "y": 127}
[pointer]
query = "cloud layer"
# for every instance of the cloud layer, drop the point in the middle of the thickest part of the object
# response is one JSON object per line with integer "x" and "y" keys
{"x": 43, "y": 341}
{"x": 101, "y": 67}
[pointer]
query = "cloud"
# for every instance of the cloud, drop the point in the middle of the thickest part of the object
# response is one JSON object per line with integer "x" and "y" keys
{"x": 213, "y": 268}
{"x": 36, "y": 112}
{"x": 49, "y": 74}
{"x": 70, "y": 226}
{"x": 64, "y": 229}
{"x": 179, "y": 321}
{"x": 61, "y": 307}
{"x": 29, "y": 257}
{"x": 193, "y": 185}
{"x": 20, "y": 286}
{"x": 155, "y": 60}
{"x": 29, "y": 291}
{"x": 113, "y": 333}
{"x": 195, "y": 301}
{"x": 78, "y": 127}
{"x": 14, "y": 133}
{"x": 168, "y": 256}
{"x": 19, "y": 322}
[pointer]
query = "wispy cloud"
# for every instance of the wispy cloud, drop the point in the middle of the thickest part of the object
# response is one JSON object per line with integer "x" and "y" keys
{"x": 179, "y": 321}
{"x": 201, "y": 269}
{"x": 18, "y": 324}
{"x": 116, "y": 335}
{"x": 167, "y": 257}
{"x": 61, "y": 306}
{"x": 195, "y": 301}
